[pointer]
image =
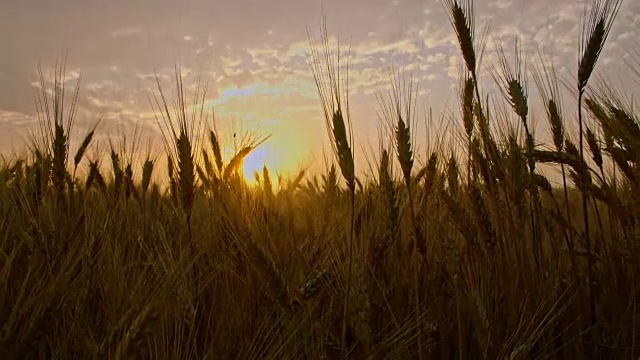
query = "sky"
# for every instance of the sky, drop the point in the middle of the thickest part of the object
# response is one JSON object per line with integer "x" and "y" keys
{"x": 251, "y": 53}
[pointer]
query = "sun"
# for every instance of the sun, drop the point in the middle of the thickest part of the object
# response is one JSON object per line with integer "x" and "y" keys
{"x": 255, "y": 161}
{"x": 278, "y": 161}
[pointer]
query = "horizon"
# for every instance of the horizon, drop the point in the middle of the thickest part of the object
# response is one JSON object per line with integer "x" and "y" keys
{"x": 257, "y": 72}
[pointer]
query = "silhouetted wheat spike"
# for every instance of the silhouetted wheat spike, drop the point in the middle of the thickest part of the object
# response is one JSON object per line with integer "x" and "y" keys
{"x": 118, "y": 173}
{"x": 402, "y": 100}
{"x": 624, "y": 128}
{"x": 452, "y": 176}
{"x": 555, "y": 120}
{"x": 173, "y": 185}
{"x": 333, "y": 91}
{"x": 40, "y": 175}
{"x": 595, "y": 150}
{"x": 59, "y": 151}
{"x": 83, "y": 148}
{"x": 512, "y": 84}
{"x": 55, "y": 124}
{"x": 181, "y": 134}
{"x": 95, "y": 177}
{"x": 596, "y": 156}
{"x": 267, "y": 184}
{"x": 208, "y": 166}
{"x": 398, "y": 112}
{"x": 405, "y": 152}
{"x": 206, "y": 179}
{"x": 217, "y": 151}
{"x": 330, "y": 183}
{"x": 186, "y": 172}
{"x": 147, "y": 171}
{"x": 594, "y": 35}
{"x": 431, "y": 177}
{"x": 129, "y": 187}
{"x": 236, "y": 162}
{"x": 343, "y": 149}
{"x": 78, "y": 158}
{"x": 326, "y": 71}
{"x": 546, "y": 80}
{"x": 605, "y": 121}
{"x": 595, "y": 31}
{"x": 461, "y": 16}
{"x": 385, "y": 180}
{"x": 481, "y": 213}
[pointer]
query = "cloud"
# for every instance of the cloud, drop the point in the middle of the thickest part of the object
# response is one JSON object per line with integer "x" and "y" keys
{"x": 253, "y": 53}
{"x": 16, "y": 119}
{"x": 501, "y": 4}
{"x": 14, "y": 130}
{"x": 127, "y": 31}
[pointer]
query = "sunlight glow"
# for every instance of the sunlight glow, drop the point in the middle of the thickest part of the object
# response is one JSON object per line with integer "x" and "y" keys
{"x": 255, "y": 161}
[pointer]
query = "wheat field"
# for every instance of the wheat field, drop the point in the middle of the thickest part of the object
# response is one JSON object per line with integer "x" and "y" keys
{"x": 473, "y": 255}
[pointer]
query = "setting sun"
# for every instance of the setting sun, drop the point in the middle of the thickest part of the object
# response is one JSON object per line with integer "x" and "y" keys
{"x": 255, "y": 161}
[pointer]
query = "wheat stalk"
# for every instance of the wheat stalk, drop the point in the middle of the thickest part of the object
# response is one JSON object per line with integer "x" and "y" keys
{"x": 594, "y": 148}
{"x": 267, "y": 184}
{"x": 333, "y": 90}
{"x": 398, "y": 112}
{"x": 452, "y": 176}
{"x": 83, "y": 148}
{"x": 94, "y": 176}
{"x": 385, "y": 180}
{"x": 118, "y": 173}
{"x": 181, "y": 135}
{"x": 595, "y": 31}
{"x": 467, "y": 100}
{"x": 55, "y": 124}
{"x": 217, "y": 151}
{"x": 461, "y": 17}
{"x": 147, "y": 171}
{"x": 546, "y": 80}
{"x": 512, "y": 82}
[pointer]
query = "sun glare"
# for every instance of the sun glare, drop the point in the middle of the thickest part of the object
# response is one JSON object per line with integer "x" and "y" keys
{"x": 255, "y": 161}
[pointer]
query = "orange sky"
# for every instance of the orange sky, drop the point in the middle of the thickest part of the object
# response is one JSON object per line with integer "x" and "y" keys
{"x": 252, "y": 53}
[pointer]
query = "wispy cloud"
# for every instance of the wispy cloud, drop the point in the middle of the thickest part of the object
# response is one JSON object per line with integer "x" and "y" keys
{"x": 253, "y": 53}
{"x": 127, "y": 31}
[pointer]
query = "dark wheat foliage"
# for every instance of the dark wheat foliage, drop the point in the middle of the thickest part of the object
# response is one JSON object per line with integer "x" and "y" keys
{"x": 111, "y": 255}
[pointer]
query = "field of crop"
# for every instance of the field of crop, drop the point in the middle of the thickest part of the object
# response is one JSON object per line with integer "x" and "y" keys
{"x": 474, "y": 255}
